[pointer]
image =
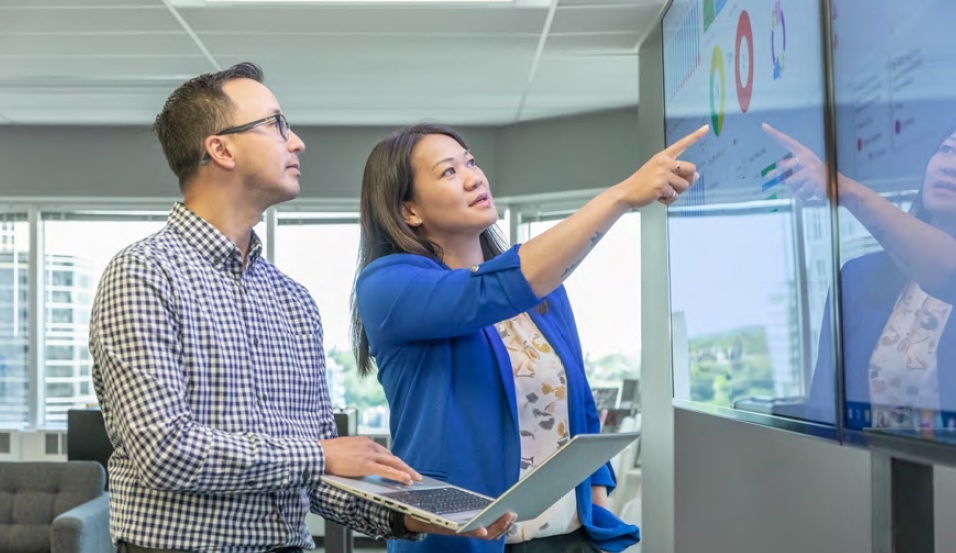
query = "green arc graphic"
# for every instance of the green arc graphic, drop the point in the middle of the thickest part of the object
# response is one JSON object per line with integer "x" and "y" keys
{"x": 717, "y": 109}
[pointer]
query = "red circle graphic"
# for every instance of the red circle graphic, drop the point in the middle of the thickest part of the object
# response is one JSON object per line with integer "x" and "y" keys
{"x": 744, "y": 30}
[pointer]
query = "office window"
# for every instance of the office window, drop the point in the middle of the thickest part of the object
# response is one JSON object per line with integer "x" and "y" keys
{"x": 61, "y": 278}
{"x": 77, "y": 247}
{"x": 60, "y": 353}
{"x": 320, "y": 250}
{"x": 14, "y": 319}
{"x": 605, "y": 293}
{"x": 59, "y": 371}
{"x": 61, "y": 316}
{"x": 60, "y": 390}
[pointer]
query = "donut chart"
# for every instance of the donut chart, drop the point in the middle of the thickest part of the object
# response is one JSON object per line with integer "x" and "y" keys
{"x": 778, "y": 34}
{"x": 743, "y": 61}
{"x": 717, "y": 94}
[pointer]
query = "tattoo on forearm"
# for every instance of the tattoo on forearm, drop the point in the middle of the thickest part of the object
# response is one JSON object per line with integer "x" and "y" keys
{"x": 569, "y": 270}
{"x": 594, "y": 240}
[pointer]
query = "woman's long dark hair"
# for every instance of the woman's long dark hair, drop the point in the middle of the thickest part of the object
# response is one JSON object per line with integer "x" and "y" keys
{"x": 388, "y": 181}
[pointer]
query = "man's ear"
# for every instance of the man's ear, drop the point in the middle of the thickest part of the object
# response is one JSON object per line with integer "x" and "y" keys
{"x": 217, "y": 151}
{"x": 410, "y": 216}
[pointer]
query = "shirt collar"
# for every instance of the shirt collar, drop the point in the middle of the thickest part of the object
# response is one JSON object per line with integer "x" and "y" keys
{"x": 213, "y": 245}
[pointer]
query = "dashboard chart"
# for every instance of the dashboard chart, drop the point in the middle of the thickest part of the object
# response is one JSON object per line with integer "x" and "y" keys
{"x": 762, "y": 63}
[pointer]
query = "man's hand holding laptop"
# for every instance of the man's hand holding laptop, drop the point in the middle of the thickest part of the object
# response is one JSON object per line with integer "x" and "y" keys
{"x": 357, "y": 456}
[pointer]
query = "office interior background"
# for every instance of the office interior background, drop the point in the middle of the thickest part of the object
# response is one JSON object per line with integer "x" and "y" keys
{"x": 557, "y": 98}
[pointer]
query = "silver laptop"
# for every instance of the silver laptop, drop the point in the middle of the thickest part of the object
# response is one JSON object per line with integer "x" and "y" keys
{"x": 462, "y": 510}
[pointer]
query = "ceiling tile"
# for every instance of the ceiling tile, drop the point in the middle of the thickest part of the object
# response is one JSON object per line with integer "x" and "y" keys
{"x": 78, "y": 3}
{"x": 399, "y": 47}
{"x": 659, "y": 4}
{"x": 591, "y": 43}
{"x": 345, "y": 74}
{"x": 121, "y": 71}
{"x": 87, "y": 21}
{"x": 406, "y": 20}
{"x": 169, "y": 44}
{"x": 115, "y": 61}
{"x": 603, "y": 20}
{"x": 593, "y": 74}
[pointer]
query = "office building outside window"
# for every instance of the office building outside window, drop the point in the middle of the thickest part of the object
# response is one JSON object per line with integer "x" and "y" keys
{"x": 77, "y": 247}
{"x": 14, "y": 320}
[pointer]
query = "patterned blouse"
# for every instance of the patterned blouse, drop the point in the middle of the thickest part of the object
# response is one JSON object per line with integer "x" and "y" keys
{"x": 904, "y": 389}
{"x": 541, "y": 392}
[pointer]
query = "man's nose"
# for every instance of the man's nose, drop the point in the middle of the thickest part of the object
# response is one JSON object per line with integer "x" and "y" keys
{"x": 295, "y": 143}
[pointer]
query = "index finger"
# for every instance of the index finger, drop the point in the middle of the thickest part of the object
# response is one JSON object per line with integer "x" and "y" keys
{"x": 784, "y": 140}
{"x": 678, "y": 147}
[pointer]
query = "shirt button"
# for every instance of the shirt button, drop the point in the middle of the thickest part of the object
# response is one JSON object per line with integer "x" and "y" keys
{"x": 255, "y": 341}
{"x": 474, "y": 268}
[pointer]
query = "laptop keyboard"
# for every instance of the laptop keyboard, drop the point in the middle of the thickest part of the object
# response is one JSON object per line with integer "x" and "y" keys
{"x": 441, "y": 501}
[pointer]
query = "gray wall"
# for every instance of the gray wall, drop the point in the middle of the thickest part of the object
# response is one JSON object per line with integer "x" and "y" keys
{"x": 571, "y": 153}
{"x": 559, "y": 154}
{"x": 745, "y": 489}
{"x": 945, "y": 497}
{"x": 128, "y": 162}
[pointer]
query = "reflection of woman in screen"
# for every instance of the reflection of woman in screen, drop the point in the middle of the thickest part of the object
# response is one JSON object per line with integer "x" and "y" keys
{"x": 899, "y": 338}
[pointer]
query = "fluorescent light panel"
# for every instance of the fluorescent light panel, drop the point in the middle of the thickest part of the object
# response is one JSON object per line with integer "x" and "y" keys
{"x": 354, "y": 2}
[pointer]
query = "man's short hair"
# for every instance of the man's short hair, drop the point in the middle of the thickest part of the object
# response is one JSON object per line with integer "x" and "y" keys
{"x": 197, "y": 109}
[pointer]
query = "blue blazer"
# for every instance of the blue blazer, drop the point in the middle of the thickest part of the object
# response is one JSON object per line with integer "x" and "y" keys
{"x": 449, "y": 382}
{"x": 870, "y": 287}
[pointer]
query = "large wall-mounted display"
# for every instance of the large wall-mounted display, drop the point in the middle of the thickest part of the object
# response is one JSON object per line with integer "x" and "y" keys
{"x": 748, "y": 284}
{"x": 753, "y": 245}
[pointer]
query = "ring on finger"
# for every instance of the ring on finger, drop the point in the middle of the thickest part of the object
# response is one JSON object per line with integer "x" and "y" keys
{"x": 674, "y": 194}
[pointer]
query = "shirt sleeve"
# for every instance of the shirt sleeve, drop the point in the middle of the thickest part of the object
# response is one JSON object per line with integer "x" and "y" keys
{"x": 137, "y": 348}
{"x": 355, "y": 512}
{"x": 406, "y": 297}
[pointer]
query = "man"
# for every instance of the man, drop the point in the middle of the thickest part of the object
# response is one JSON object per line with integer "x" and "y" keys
{"x": 209, "y": 365}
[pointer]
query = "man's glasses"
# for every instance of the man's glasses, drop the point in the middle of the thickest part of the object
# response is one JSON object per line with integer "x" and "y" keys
{"x": 278, "y": 120}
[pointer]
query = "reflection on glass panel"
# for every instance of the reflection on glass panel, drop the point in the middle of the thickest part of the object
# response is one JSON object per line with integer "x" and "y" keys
{"x": 14, "y": 320}
{"x": 77, "y": 249}
{"x": 750, "y": 248}
{"x": 896, "y": 125}
{"x": 320, "y": 250}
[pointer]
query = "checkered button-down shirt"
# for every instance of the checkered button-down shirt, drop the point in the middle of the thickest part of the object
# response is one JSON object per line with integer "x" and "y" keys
{"x": 211, "y": 378}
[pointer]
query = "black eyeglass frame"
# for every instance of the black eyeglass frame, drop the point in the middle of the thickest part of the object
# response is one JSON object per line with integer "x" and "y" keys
{"x": 279, "y": 118}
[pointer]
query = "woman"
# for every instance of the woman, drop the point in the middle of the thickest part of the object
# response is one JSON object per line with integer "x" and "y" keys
{"x": 899, "y": 342}
{"x": 476, "y": 345}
